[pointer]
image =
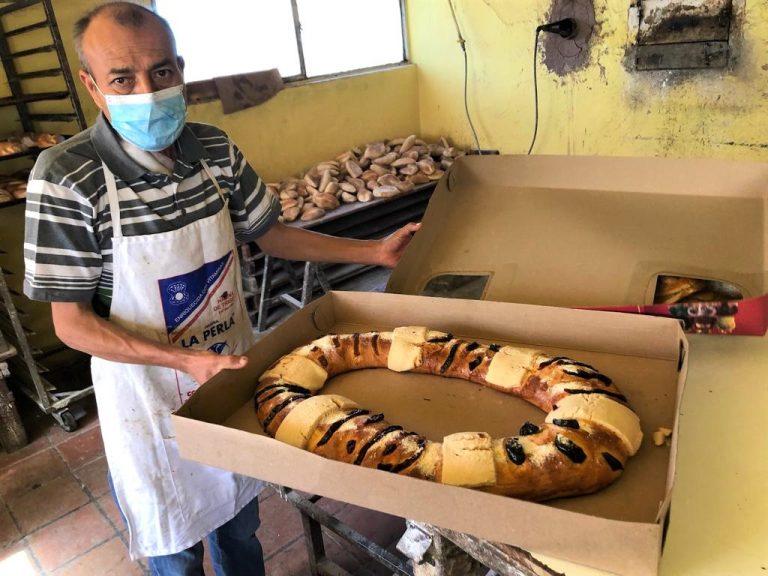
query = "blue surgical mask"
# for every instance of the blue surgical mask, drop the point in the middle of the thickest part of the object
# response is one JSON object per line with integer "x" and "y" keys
{"x": 150, "y": 121}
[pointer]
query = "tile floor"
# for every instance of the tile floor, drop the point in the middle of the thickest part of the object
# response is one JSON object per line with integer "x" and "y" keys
{"x": 57, "y": 516}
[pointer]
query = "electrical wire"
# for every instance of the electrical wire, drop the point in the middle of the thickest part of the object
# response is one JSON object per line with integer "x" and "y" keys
{"x": 535, "y": 93}
{"x": 462, "y": 43}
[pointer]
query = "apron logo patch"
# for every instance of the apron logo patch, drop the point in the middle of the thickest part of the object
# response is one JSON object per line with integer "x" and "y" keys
{"x": 177, "y": 294}
{"x": 219, "y": 347}
{"x": 186, "y": 297}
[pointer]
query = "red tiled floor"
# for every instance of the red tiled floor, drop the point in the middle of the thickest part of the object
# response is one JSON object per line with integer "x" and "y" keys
{"x": 108, "y": 558}
{"x": 47, "y": 503}
{"x": 110, "y": 510}
{"x": 70, "y": 536}
{"x": 82, "y": 448}
{"x": 280, "y": 523}
{"x": 31, "y": 473}
{"x": 17, "y": 560}
{"x": 376, "y": 526}
{"x": 9, "y": 533}
{"x": 35, "y": 445}
{"x": 291, "y": 561}
{"x": 94, "y": 477}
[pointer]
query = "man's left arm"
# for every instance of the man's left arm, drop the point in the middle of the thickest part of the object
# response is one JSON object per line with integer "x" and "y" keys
{"x": 255, "y": 212}
{"x": 292, "y": 243}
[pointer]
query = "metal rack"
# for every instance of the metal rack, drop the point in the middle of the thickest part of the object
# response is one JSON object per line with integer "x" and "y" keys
{"x": 44, "y": 100}
{"x": 275, "y": 287}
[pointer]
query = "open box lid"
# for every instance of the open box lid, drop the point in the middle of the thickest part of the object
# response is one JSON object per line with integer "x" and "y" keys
{"x": 587, "y": 231}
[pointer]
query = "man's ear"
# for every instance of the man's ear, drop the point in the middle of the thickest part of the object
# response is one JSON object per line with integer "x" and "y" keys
{"x": 90, "y": 85}
{"x": 180, "y": 62}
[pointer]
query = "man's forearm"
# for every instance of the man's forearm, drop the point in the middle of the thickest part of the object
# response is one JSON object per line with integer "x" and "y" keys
{"x": 297, "y": 244}
{"x": 80, "y": 328}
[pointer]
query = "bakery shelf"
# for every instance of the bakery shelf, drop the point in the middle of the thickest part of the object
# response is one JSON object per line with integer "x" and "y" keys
{"x": 42, "y": 365}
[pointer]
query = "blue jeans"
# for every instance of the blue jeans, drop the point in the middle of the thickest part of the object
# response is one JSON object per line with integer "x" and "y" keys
{"x": 235, "y": 549}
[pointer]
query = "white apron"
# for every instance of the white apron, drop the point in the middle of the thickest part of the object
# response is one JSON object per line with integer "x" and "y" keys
{"x": 181, "y": 287}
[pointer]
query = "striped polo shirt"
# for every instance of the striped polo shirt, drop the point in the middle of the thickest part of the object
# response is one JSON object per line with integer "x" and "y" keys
{"x": 68, "y": 234}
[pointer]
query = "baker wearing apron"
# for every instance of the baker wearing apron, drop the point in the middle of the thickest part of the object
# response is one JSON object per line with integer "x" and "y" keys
{"x": 180, "y": 287}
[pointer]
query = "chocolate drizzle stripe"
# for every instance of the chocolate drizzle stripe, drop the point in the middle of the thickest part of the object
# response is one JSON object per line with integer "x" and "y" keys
{"x": 375, "y": 344}
{"x": 441, "y": 339}
{"x": 378, "y": 436}
{"x": 373, "y": 419}
{"x": 356, "y": 343}
{"x": 410, "y": 461}
{"x": 616, "y": 395}
{"x": 567, "y": 361}
{"x": 336, "y": 341}
{"x": 279, "y": 408}
{"x": 274, "y": 393}
{"x": 494, "y": 347}
{"x": 472, "y": 346}
{"x": 475, "y": 363}
{"x": 339, "y": 423}
{"x": 589, "y": 375}
{"x": 284, "y": 385}
{"x": 451, "y": 357}
{"x": 323, "y": 361}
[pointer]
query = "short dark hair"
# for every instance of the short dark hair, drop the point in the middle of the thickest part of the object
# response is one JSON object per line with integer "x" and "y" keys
{"x": 124, "y": 13}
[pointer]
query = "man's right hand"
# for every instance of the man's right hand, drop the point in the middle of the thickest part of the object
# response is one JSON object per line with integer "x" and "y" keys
{"x": 78, "y": 326}
{"x": 204, "y": 365}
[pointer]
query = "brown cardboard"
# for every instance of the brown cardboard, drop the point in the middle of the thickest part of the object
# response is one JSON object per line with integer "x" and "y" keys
{"x": 618, "y": 529}
{"x": 595, "y": 232}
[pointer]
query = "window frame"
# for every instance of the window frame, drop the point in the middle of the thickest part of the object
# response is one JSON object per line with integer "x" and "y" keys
{"x": 202, "y": 91}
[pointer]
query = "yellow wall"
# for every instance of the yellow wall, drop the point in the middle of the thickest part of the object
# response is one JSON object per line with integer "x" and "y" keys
{"x": 302, "y": 125}
{"x": 603, "y": 109}
{"x": 305, "y": 124}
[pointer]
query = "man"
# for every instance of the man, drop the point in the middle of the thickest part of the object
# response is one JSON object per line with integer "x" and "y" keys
{"x": 130, "y": 234}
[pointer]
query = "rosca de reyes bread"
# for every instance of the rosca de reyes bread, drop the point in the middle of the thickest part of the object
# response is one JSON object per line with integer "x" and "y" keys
{"x": 588, "y": 434}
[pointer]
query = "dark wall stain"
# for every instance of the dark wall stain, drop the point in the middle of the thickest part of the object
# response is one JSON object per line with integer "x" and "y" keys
{"x": 683, "y": 23}
{"x": 564, "y": 55}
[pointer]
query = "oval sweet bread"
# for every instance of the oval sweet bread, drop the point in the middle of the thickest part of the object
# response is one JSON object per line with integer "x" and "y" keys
{"x": 582, "y": 446}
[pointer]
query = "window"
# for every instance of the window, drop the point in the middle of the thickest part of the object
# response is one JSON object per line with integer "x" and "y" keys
{"x": 301, "y": 38}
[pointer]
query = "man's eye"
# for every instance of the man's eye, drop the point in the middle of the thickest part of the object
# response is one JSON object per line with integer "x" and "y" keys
{"x": 120, "y": 81}
{"x": 163, "y": 73}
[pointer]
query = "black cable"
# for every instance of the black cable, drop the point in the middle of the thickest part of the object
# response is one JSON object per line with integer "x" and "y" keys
{"x": 466, "y": 105}
{"x": 462, "y": 43}
{"x": 535, "y": 92}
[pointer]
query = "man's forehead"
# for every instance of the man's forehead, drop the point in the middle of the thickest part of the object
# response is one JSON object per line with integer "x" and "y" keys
{"x": 107, "y": 42}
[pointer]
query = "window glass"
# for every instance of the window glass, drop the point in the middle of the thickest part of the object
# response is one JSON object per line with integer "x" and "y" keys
{"x": 224, "y": 37}
{"x": 465, "y": 286}
{"x": 232, "y": 36}
{"x": 342, "y": 35}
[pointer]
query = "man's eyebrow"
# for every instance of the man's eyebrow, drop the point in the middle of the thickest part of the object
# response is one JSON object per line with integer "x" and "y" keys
{"x": 162, "y": 64}
{"x": 120, "y": 71}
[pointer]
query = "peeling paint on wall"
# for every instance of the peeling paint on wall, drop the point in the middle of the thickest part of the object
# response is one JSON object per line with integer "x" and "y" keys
{"x": 565, "y": 55}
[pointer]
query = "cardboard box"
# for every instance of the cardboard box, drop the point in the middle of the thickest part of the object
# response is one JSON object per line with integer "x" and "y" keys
{"x": 596, "y": 232}
{"x": 619, "y": 529}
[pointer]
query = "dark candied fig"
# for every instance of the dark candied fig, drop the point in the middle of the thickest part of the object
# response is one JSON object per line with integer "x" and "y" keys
{"x": 613, "y": 462}
{"x": 566, "y": 423}
{"x": 514, "y": 450}
{"x": 528, "y": 429}
{"x": 570, "y": 449}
